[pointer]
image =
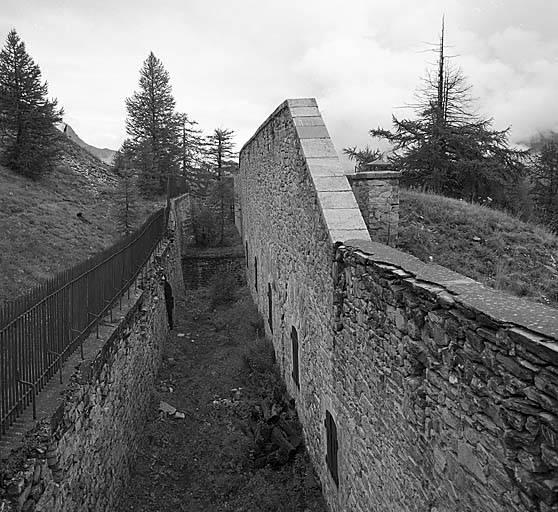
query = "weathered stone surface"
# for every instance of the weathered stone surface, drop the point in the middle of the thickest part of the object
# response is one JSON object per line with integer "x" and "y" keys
{"x": 444, "y": 392}
{"x": 83, "y": 456}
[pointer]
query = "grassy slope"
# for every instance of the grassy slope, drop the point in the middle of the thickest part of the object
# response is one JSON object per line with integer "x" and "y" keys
{"x": 40, "y": 233}
{"x": 511, "y": 255}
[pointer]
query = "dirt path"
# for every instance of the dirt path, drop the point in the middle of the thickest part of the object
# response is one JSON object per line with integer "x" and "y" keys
{"x": 209, "y": 460}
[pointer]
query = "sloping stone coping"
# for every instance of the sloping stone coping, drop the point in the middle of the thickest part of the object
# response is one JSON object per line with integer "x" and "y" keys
{"x": 340, "y": 210}
{"x": 495, "y": 304}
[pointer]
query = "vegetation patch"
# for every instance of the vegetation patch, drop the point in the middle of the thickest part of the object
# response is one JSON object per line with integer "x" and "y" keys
{"x": 487, "y": 245}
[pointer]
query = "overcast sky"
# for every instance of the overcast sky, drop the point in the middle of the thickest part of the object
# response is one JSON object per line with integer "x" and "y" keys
{"x": 232, "y": 62}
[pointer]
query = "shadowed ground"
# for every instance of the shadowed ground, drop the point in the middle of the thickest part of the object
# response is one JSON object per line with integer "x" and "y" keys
{"x": 211, "y": 460}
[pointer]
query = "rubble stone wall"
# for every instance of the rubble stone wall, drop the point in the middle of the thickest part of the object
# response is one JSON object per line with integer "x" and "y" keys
{"x": 449, "y": 389}
{"x": 200, "y": 269}
{"x": 377, "y": 195}
{"x": 184, "y": 217}
{"x": 443, "y": 392}
{"x": 78, "y": 459}
{"x": 289, "y": 248}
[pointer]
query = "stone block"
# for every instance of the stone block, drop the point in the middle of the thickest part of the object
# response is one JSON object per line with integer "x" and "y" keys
{"x": 331, "y": 183}
{"x": 336, "y": 200}
{"x": 308, "y": 121}
{"x": 326, "y": 166}
{"x": 318, "y": 148}
{"x": 312, "y": 132}
{"x": 304, "y": 112}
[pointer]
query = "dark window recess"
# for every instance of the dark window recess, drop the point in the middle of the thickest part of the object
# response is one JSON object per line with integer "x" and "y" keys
{"x": 332, "y": 447}
{"x": 294, "y": 343}
{"x": 256, "y": 272}
{"x": 269, "y": 307}
{"x": 246, "y": 256}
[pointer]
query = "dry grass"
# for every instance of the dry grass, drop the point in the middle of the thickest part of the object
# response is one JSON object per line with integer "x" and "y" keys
{"x": 490, "y": 246}
{"x": 40, "y": 232}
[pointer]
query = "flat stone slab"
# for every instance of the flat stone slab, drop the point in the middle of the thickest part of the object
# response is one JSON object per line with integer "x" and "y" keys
{"x": 331, "y": 183}
{"x": 343, "y": 218}
{"x": 495, "y": 304}
{"x": 340, "y": 199}
{"x": 325, "y": 166}
{"x": 318, "y": 148}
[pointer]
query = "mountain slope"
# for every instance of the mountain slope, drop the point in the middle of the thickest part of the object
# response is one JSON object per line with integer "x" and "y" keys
{"x": 40, "y": 230}
{"x": 105, "y": 155}
{"x": 487, "y": 245}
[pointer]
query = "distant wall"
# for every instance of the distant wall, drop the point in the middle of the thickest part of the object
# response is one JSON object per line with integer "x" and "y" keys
{"x": 200, "y": 268}
{"x": 78, "y": 459}
{"x": 184, "y": 215}
{"x": 443, "y": 392}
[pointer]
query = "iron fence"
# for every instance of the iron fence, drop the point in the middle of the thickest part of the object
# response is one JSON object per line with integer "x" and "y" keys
{"x": 41, "y": 329}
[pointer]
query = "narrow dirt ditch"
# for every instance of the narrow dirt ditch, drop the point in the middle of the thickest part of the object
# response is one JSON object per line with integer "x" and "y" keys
{"x": 234, "y": 442}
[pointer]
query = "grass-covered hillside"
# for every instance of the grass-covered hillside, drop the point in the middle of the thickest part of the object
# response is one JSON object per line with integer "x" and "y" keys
{"x": 40, "y": 230}
{"x": 487, "y": 245}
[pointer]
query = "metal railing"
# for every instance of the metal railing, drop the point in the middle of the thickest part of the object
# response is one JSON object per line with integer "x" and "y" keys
{"x": 41, "y": 329}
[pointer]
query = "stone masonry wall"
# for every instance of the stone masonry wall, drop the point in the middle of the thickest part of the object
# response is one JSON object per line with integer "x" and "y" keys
{"x": 449, "y": 389}
{"x": 443, "y": 392}
{"x": 184, "y": 230}
{"x": 377, "y": 195}
{"x": 79, "y": 458}
{"x": 199, "y": 270}
{"x": 295, "y": 201}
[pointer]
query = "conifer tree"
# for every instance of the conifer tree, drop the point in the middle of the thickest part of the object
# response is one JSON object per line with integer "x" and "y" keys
{"x": 27, "y": 117}
{"x": 448, "y": 148}
{"x": 545, "y": 188}
{"x": 126, "y": 192}
{"x": 220, "y": 148}
{"x": 153, "y": 126}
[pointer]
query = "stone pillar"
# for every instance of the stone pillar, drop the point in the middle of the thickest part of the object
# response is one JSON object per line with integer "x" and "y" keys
{"x": 377, "y": 195}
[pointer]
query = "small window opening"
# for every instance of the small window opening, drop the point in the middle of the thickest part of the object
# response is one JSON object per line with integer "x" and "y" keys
{"x": 256, "y": 272}
{"x": 332, "y": 447}
{"x": 270, "y": 307}
{"x": 294, "y": 343}
{"x": 246, "y": 255}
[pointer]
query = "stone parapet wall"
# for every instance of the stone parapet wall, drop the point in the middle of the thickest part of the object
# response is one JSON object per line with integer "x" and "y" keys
{"x": 200, "y": 270}
{"x": 448, "y": 403}
{"x": 78, "y": 458}
{"x": 377, "y": 195}
{"x": 288, "y": 250}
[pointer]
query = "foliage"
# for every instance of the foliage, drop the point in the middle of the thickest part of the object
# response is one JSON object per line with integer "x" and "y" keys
{"x": 27, "y": 117}
{"x": 450, "y": 150}
{"x": 205, "y": 226}
{"x": 220, "y": 148}
{"x": 362, "y": 157}
{"x": 154, "y": 127}
{"x": 192, "y": 154}
{"x": 126, "y": 191}
{"x": 485, "y": 244}
{"x": 545, "y": 188}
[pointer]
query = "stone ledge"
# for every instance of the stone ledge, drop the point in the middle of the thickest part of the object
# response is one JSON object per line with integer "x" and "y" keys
{"x": 498, "y": 306}
{"x": 375, "y": 175}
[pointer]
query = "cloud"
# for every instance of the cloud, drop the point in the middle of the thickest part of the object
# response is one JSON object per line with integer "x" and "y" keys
{"x": 232, "y": 63}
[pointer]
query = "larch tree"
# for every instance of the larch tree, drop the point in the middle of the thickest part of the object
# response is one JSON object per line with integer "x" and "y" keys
{"x": 220, "y": 151}
{"x": 27, "y": 117}
{"x": 545, "y": 184}
{"x": 447, "y": 148}
{"x": 362, "y": 157}
{"x": 154, "y": 127}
